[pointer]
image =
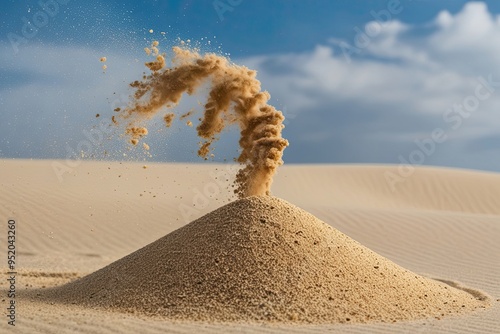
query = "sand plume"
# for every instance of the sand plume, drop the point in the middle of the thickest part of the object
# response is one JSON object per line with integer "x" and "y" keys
{"x": 235, "y": 96}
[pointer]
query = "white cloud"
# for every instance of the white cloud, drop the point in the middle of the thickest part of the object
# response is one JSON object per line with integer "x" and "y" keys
{"x": 467, "y": 28}
{"x": 397, "y": 90}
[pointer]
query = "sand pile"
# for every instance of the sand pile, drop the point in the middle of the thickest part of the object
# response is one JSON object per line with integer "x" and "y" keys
{"x": 263, "y": 259}
{"x": 235, "y": 97}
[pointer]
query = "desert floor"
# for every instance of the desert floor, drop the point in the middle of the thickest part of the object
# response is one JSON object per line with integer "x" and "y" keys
{"x": 441, "y": 223}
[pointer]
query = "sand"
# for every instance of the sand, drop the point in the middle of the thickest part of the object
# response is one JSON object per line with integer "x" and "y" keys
{"x": 439, "y": 224}
{"x": 234, "y": 97}
{"x": 263, "y": 259}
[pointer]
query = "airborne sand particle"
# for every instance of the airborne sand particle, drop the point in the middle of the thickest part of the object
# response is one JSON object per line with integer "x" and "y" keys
{"x": 136, "y": 133}
{"x": 235, "y": 97}
{"x": 103, "y": 60}
{"x": 186, "y": 115}
{"x": 169, "y": 118}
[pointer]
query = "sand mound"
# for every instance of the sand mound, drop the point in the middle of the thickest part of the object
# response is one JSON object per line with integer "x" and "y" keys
{"x": 262, "y": 258}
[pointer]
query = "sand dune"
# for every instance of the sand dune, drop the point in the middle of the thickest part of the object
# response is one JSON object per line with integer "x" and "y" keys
{"x": 440, "y": 223}
{"x": 434, "y": 189}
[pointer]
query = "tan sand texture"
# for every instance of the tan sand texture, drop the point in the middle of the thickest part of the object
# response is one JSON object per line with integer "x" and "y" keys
{"x": 264, "y": 259}
{"x": 442, "y": 223}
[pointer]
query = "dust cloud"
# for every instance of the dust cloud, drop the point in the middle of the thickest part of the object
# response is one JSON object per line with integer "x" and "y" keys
{"x": 234, "y": 97}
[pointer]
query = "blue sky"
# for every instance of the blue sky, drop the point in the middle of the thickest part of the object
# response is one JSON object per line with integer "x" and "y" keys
{"x": 359, "y": 81}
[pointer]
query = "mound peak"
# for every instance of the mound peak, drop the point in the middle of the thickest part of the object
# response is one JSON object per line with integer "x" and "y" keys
{"x": 262, "y": 258}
